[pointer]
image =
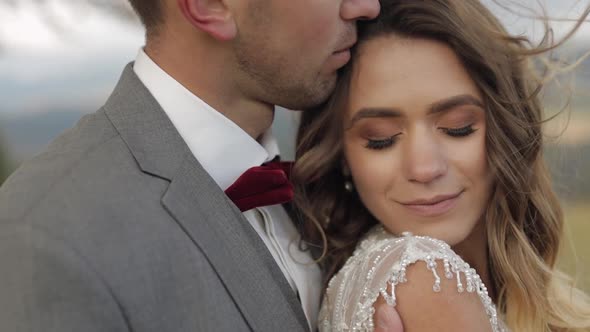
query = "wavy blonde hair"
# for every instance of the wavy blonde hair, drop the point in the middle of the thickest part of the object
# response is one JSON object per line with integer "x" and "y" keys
{"x": 524, "y": 219}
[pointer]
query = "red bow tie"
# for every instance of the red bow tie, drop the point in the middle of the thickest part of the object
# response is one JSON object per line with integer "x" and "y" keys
{"x": 262, "y": 185}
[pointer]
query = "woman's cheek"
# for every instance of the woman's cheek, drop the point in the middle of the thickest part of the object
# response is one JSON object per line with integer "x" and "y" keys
{"x": 371, "y": 170}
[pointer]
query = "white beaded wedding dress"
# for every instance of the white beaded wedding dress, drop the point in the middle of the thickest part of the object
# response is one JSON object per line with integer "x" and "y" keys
{"x": 378, "y": 266}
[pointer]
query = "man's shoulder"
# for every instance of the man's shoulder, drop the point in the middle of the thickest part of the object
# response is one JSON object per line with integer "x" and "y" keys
{"x": 81, "y": 169}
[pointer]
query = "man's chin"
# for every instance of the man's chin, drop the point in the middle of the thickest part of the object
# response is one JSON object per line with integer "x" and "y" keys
{"x": 309, "y": 100}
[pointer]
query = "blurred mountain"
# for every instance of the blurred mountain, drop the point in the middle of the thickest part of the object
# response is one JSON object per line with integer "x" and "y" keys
{"x": 570, "y": 170}
{"x": 5, "y": 163}
{"x": 27, "y": 134}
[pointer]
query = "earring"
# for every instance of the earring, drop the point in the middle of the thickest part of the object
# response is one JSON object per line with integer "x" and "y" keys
{"x": 348, "y": 186}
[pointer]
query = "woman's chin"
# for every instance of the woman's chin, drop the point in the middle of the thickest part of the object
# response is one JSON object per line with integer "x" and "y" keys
{"x": 450, "y": 235}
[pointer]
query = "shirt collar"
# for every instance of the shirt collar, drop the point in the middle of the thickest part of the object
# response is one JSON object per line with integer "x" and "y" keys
{"x": 224, "y": 150}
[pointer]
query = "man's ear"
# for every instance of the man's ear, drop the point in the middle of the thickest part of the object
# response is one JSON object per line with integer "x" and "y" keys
{"x": 211, "y": 16}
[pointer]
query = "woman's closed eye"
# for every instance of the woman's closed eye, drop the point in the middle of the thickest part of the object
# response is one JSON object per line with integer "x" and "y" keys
{"x": 381, "y": 143}
{"x": 459, "y": 132}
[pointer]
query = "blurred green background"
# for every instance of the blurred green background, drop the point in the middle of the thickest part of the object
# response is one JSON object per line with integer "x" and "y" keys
{"x": 59, "y": 60}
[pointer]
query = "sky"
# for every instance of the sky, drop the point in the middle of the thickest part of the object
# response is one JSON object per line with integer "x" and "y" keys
{"x": 76, "y": 62}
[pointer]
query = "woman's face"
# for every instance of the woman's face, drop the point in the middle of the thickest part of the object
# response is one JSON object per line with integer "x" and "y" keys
{"x": 415, "y": 138}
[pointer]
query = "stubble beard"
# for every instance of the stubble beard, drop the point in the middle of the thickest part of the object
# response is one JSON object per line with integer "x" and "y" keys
{"x": 276, "y": 81}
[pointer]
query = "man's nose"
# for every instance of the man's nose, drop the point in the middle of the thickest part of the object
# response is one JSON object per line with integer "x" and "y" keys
{"x": 360, "y": 9}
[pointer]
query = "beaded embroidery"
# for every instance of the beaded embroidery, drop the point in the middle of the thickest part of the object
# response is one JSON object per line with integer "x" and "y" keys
{"x": 380, "y": 261}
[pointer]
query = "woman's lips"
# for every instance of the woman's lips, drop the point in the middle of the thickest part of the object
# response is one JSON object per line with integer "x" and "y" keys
{"x": 434, "y": 206}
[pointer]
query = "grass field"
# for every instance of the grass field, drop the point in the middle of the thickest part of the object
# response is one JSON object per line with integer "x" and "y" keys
{"x": 575, "y": 255}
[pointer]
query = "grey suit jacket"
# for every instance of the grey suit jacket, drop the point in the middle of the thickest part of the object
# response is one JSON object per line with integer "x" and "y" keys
{"x": 117, "y": 227}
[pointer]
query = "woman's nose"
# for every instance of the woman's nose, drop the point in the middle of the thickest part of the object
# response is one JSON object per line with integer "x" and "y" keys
{"x": 424, "y": 158}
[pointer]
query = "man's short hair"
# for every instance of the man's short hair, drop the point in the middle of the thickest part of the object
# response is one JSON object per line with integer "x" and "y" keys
{"x": 150, "y": 13}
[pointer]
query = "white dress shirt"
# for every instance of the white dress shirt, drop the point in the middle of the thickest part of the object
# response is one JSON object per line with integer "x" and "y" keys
{"x": 226, "y": 151}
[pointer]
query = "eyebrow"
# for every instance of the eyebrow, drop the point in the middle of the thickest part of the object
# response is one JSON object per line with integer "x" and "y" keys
{"x": 452, "y": 102}
{"x": 375, "y": 112}
{"x": 437, "y": 107}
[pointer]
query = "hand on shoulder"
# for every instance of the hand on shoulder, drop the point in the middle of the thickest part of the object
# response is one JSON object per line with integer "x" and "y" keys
{"x": 386, "y": 318}
{"x": 420, "y": 308}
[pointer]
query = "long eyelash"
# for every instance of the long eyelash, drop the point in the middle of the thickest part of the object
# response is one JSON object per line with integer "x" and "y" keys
{"x": 459, "y": 132}
{"x": 381, "y": 144}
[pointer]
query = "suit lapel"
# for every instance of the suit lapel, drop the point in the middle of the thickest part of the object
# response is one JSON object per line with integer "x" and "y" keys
{"x": 233, "y": 247}
{"x": 202, "y": 210}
